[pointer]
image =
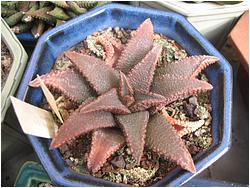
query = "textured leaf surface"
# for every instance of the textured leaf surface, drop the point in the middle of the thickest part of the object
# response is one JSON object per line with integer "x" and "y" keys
{"x": 108, "y": 102}
{"x": 141, "y": 76}
{"x": 145, "y": 100}
{"x": 42, "y": 15}
{"x": 189, "y": 67}
{"x": 189, "y": 127}
{"x": 68, "y": 82}
{"x": 126, "y": 91}
{"x": 117, "y": 47}
{"x": 162, "y": 138}
{"x": 134, "y": 127}
{"x": 100, "y": 75}
{"x": 174, "y": 89}
{"x": 137, "y": 47}
{"x": 179, "y": 122}
{"x": 183, "y": 127}
{"x": 104, "y": 143}
{"x": 125, "y": 87}
{"x": 79, "y": 123}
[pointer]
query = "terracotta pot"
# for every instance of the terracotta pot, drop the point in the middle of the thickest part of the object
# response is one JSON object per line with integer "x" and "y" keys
{"x": 239, "y": 39}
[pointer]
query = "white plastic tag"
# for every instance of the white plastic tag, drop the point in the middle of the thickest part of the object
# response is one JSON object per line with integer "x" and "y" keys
{"x": 33, "y": 120}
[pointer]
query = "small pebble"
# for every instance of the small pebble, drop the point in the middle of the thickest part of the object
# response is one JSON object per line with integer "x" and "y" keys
{"x": 193, "y": 149}
{"x": 45, "y": 184}
{"x": 118, "y": 162}
{"x": 76, "y": 161}
{"x": 124, "y": 179}
{"x": 189, "y": 109}
{"x": 128, "y": 151}
{"x": 193, "y": 100}
{"x": 64, "y": 148}
{"x": 129, "y": 166}
{"x": 67, "y": 154}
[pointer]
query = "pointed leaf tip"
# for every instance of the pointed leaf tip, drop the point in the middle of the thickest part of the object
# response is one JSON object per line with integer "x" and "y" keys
{"x": 104, "y": 143}
{"x": 182, "y": 127}
{"x": 162, "y": 138}
{"x": 141, "y": 76}
{"x": 108, "y": 102}
{"x": 126, "y": 91}
{"x": 136, "y": 48}
{"x": 105, "y": 77}
{"x": 125, "y": 87}
{"x": 174, "y": 89}
{"x": 79, "y": 123}
{"x": 68, "y": 82}
{"x": 145, "y": 100}
{"x": 188, "y": 67}
{"x": 134, "y": 127}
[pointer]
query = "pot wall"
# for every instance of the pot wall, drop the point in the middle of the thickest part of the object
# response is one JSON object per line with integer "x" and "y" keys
{"x": 19, "y": 60}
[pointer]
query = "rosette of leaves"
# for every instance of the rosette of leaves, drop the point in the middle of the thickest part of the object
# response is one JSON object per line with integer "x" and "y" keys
{"x": 39, "y": 16}
{"x": 120, "y": 100}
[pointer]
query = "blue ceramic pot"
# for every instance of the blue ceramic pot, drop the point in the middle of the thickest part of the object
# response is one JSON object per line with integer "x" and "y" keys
{"x": 56, "y": 41}
{"x": 26, "y": 37}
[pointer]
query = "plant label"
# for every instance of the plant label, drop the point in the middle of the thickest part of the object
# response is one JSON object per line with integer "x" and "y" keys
{"x": 33, "y": 120}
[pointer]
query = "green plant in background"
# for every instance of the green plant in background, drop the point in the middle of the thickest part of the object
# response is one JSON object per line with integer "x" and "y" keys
{"x": 39, "y": 16}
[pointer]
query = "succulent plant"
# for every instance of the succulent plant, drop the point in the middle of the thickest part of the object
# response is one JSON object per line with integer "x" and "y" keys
{"x": 120, "y": 99}
{"x": 38, "y": 16}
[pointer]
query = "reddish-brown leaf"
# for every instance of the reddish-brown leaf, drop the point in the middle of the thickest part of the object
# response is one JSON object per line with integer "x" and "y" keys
{"x": 108, "y": 102}
{"x": 162, "y": 138}
{"x": 179, "y": 122}
{"x": 144, "y": 100}
{"x": 104, "y": 143}
{"x": 134, "y": 127}
{"x": 101, "y": 76}
{"x": 126, "y": 91}
{"x": 68, "y": 82}
{"x": 141, "y": 76}
{"x": 79, "y": 123}
{"x": 189, "y": 127}
{"x": 189, "y": 67}
{"x": 174, "y": 89}
{"x": 136, "y": 48}
{"x": 182, "y": 127}
{"x": 125, "y": 87}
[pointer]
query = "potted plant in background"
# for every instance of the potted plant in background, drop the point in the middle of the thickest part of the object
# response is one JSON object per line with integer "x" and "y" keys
{"x": 13, "y": 62}
{"x": 168, "y": 24}
{"x": 31, "y": 174}
{"x": 241, "y": 48}
{"x": 29, "y": 20}
{"x": 213, "y": 19}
